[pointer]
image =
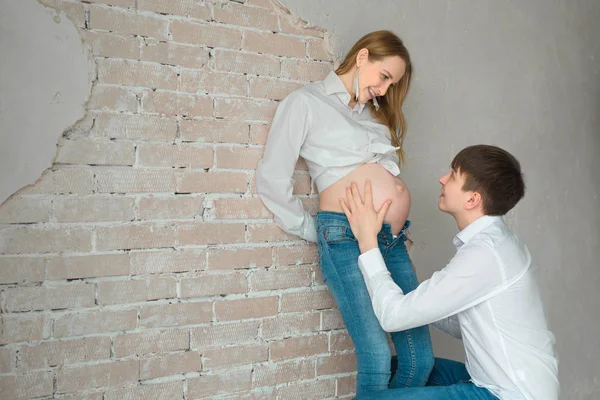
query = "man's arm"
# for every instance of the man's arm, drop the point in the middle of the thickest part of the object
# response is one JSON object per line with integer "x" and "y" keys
{"x": 471, "y": 275}
{"x": 465, "y": 282}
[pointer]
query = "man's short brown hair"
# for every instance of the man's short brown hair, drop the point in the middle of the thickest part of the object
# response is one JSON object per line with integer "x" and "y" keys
{"x": 494, "y": 173}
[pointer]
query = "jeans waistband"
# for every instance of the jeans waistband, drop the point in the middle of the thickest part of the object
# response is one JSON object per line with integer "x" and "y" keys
{"x": 325, "y": 218}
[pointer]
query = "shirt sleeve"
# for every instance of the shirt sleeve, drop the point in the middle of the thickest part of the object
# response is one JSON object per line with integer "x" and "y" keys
{"x": 274, "y": 182}
{"x": 472, "y": 274}
{"x": 449, "y": 325}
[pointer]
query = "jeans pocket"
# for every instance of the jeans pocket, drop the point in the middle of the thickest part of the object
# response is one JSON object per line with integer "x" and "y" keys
{"x": 338, "y": 234}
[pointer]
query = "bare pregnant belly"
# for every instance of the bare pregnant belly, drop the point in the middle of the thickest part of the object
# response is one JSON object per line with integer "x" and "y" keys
{"x": 385, "y": 186}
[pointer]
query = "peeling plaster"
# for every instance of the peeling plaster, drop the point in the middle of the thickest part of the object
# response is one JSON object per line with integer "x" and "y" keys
{"x": 46, "y": 77}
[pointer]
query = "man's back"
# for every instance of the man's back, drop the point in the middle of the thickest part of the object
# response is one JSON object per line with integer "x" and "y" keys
{"x": 509, "y": 348}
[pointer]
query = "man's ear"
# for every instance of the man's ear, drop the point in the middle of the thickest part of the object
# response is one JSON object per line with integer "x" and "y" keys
{"x": 474, "y": 201}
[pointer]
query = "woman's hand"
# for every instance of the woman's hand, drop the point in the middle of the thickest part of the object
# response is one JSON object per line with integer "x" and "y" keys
{"x": 365, "y": 221}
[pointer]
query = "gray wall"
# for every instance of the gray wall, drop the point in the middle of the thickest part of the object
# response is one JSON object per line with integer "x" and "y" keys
{"x": 524, "y": 76}
{"x": 45, "y": 80}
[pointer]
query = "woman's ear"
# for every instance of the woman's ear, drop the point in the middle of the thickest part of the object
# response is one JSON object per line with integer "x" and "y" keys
{"x": 362, "y": 56}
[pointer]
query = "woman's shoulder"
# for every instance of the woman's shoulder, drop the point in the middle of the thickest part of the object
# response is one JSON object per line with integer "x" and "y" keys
{"x": 308, "y": 91}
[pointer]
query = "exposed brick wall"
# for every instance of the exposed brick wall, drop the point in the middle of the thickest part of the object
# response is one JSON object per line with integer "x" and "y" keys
{"x": 143, "y": 265}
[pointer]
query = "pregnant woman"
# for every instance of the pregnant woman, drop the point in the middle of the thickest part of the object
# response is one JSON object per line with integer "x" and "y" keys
{"x": 350, "y": 127}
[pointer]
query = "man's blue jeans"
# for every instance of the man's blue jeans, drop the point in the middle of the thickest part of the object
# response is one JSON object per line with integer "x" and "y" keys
{"x": 449, "y": 380}
{"x": 338, "y": 254}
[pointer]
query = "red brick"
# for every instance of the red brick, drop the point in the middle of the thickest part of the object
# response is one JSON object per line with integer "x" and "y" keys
{"x": 283, "y": 372}
{"x": 119, "y": 3}
{"x": 306, "y": 301}
{"x": 61, "y": 352}
{"x": 213, "y": 83}
{"x": 317, "y": 50}
{"x": 156, "y": 391}
{"x": 88, "y": 266}
{"x": 211, "y": 233}
{"x": 246, "y": 63}
{"x": 144, "y": 127}
{"x": 127, "y": 23}
{"x": 285, "y": 325}
{"x": 134, "y": 290}
{"x": 336, "y": 364}
{"x": 93, "y": 209}
{"x": 332, "y": 319}
{"x": 237, "y": 14}
{"x": 214, "y": 131}
{"x": 204, "y": 35}
{"x": 174, "y": 54}
{"x": 213, "y": 182}
{"x": 134, "y": 180}
{"x": 175, "y": 156}
{"x": 134, "y": 236}
{"x": 238, "y": 355}
{"x": 49, "y": 298}
{"x": 239, "y": 258}
{"x": 177, "y": 314}
{"x": 112, "y": 98}
{"x": 191, "y": 9}
{"x": 228, "y": 310}
{"x": 23, "y": 328}
{"x": 213, "y": 285}
{"x": 303, "y": 346}
{"x": 17, "y": 209}
{"x": 224, "y": 334}
{"x": 33, "y": 239}
{"x": 240, "y": 208}
{"x": 273, "y": 89}
{"x": 170, "y": 364}
{"x": 26, "y": 386}
{"x": 245, "y": 110}
{"x": 172, "y": 207}
{"x": 320, "y": 389}
{"x": 340, "y": 341}
{"x": 267, "y": 232}
{"x": 239, "y": 157}
{"x": 106, "y": 44}
{"x": 307, "y": 71}
{"x": 273, "y": 43}
{"x": 7, "y": 360}
{"x": 222, "y": 382}
{"x": 169, "y": 103}
{"x": 280, "y": 278}
{"x": 346, "y": 385}
{"x": 97, "y": 321}
{"x": 167, "y": 261}
{"x": 21, "y": 270}
{"x": 259, "y": 133}
{"x": 296, "y": 255}
{"x": 135, "y": 73}
{"x": 151, "y": 341}
{"x": 73, "y": 181}
{"x": 111, "y": 374}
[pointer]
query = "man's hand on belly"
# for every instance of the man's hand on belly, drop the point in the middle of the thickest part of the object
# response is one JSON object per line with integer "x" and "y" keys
{"x": 365, "y": 221}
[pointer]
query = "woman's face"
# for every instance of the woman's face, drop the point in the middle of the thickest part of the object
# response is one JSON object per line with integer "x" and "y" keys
{"x": 375, "y": 77}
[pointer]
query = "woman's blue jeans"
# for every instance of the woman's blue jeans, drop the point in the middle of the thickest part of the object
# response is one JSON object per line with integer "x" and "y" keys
{"x": 449, "y": 380}
{"x": 338, "y": 256}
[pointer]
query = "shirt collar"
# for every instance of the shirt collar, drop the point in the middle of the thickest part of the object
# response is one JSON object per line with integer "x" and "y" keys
{"x": 334, "y": 85}
{"x": 475, "y": 227}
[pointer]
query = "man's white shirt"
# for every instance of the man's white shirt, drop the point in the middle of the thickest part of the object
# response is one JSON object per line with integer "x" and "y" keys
{"x": 487, "y": 296}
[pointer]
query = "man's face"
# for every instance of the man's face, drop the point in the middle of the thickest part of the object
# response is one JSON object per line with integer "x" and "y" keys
{"x": 452, "y": 198}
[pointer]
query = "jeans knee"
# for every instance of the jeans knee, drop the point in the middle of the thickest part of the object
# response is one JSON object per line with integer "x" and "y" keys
{"x": 374, "y": 360}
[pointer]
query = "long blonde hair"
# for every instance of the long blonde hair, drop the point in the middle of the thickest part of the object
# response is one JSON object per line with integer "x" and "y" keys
{"x": 384, "y": 44}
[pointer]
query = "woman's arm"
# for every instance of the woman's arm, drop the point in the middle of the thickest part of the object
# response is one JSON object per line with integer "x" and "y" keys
{"x": 274, "y": 182}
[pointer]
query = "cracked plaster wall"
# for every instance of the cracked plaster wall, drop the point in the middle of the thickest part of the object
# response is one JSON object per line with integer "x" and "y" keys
{"x": 45, "y": 80}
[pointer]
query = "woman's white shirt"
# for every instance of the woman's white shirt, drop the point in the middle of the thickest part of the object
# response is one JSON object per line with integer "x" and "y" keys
{"x": 315, "y": 122}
